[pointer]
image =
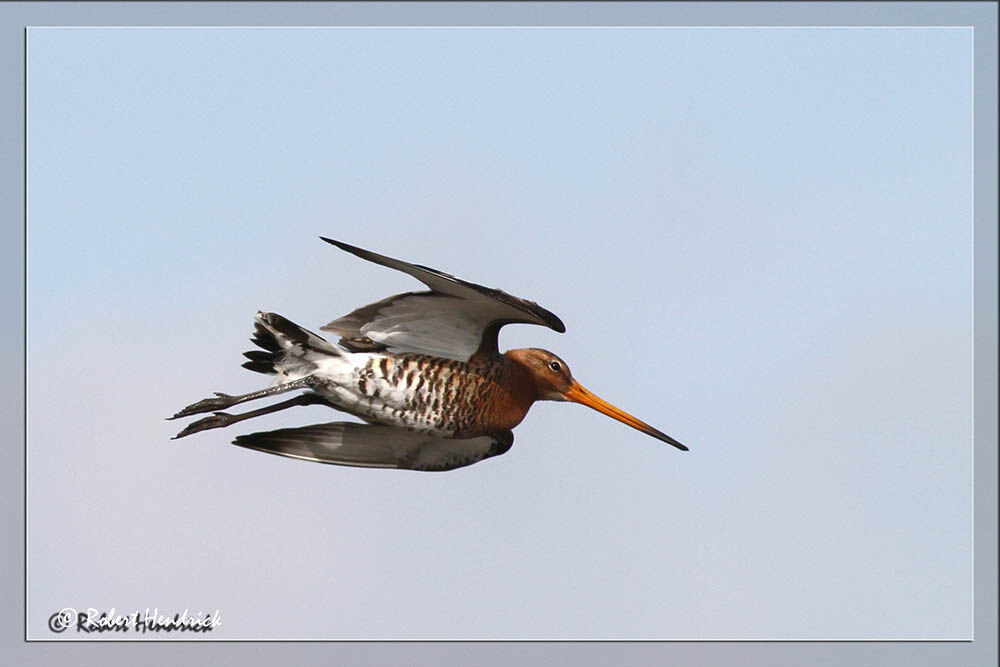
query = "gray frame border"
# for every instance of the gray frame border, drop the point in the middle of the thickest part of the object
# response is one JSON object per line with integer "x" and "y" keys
{"x": 982, "y": 16}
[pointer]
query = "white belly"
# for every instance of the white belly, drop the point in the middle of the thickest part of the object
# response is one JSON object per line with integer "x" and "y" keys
{"x": 357, "y": 384}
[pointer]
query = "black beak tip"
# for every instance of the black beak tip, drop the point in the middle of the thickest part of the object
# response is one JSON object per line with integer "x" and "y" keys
{"x": 667, "y": 439}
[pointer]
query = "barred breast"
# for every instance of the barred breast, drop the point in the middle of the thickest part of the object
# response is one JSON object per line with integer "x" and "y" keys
{"x": 427, "y": 394}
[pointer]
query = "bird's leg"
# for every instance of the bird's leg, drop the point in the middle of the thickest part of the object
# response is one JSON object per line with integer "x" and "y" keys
{"x": 223, "y": 401}
{"x": 220, "y": 419}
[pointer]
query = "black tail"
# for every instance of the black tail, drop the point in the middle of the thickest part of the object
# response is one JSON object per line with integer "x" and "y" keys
{"x": 278, "y": 338}
{"x": 262, "y": 361}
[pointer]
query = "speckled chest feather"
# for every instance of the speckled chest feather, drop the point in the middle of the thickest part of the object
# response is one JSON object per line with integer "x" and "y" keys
{"x": 442, "y": 396}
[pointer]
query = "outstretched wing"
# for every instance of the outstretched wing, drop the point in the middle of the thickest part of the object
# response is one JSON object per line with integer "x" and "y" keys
{"x": 375, "y": 446}
{"x": 455, "y": 319}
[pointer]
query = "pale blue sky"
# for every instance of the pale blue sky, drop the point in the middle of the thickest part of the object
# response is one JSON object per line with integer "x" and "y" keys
{"x": 760, "y": 243}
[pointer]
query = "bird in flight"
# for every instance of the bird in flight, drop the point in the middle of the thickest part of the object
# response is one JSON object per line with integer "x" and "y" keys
{"x": 422, "y": 369}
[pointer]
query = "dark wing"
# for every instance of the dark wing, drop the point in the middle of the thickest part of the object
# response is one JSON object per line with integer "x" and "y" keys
{"x": 375, "y": 446}
{"x": 455, "y": 319}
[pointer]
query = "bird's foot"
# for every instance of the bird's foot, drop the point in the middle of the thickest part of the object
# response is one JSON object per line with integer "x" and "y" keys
{"x": 220, "y": 402}
{"x": 218, "y": 420}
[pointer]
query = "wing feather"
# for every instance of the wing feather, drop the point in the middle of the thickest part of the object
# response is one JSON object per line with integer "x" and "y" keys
{"x": 455, "y": 319}
{"x": 375, "y": 446}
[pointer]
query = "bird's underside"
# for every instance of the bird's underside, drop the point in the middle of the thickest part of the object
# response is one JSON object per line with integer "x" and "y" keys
{"x": 411, "y": 424}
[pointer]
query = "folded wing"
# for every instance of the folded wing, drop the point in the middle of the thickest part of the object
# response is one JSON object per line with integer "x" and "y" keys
{"x": 455, "y": 319}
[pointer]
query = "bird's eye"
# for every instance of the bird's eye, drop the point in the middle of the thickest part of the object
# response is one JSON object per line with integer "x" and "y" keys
{"x": 555, "y": 365}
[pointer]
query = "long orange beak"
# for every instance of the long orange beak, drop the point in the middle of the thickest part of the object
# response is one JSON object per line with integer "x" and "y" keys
{"x": 578, "y": 394}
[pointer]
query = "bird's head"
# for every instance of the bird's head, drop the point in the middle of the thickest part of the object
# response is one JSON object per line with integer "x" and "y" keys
{"x": 554, "y": 382}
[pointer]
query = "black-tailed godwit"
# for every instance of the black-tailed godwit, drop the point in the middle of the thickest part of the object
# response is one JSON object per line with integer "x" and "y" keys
{"x": 422, "y": 369}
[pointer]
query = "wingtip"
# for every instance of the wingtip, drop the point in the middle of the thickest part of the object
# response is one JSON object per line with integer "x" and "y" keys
{"x": 354, "y": 250}
{"x": 551, "y": 320}
{"x": 340, "y": 244}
